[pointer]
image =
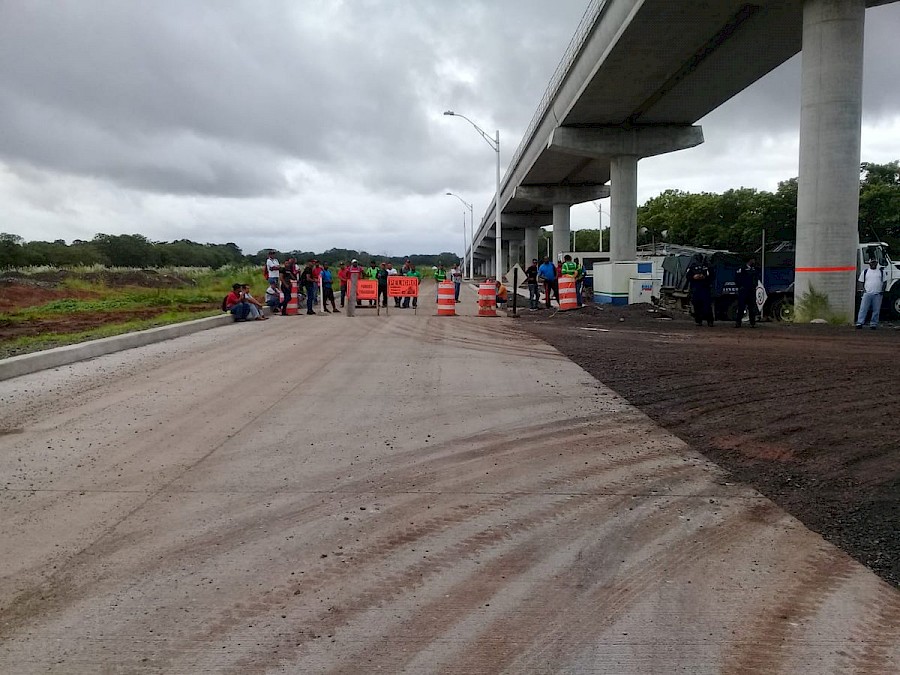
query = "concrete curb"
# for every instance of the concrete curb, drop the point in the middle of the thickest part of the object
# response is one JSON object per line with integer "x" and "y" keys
{"x": 61, "y": 356}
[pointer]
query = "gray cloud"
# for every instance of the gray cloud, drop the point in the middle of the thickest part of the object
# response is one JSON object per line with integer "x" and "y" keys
{"x": 216, "y": 115}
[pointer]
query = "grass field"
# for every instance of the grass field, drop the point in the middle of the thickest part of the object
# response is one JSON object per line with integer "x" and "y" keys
{"x": 41, "y": 308}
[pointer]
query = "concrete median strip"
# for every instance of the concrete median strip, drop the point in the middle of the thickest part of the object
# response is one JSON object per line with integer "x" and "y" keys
{"x": 62, "y": 356}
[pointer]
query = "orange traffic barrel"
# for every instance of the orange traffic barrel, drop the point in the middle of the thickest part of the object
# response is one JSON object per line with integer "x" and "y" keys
{"x": 567, "y": 298}
{"x": 487, "y": 299}
{"x": 446, "y": 299}
{"x": 293, "y": 306}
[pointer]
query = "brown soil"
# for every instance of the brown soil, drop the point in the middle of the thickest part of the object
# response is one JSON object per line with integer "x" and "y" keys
{"x": 16, "y": 295}
{"x": 18, "y": 292}
{"x": 82, "y": 321}
{"x": 804, "y": 414}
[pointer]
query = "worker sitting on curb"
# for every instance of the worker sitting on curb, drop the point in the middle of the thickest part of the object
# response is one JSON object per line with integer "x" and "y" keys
{"x": 256, "y": 306}
{"x": 502, "y": 295}
{"x": 234, "y": 303}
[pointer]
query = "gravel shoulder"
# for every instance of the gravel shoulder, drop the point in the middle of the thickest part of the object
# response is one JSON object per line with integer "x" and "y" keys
{"x": 807, "y": 415}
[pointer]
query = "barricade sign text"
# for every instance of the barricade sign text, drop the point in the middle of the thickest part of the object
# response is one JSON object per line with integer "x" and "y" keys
{"x": 367, "y": 289}
{"x": 403, "y": 287}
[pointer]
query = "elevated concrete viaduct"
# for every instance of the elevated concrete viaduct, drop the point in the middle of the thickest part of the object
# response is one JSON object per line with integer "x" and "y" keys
{"x": 634, "y": 81}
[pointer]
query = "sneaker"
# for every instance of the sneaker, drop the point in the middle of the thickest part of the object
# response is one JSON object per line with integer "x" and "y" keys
{"x": 858, "y": 326}
{"x": 310, "y": 312}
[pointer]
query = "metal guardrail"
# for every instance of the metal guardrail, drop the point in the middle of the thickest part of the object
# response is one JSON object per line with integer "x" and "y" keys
{"x": 586, "y": 25}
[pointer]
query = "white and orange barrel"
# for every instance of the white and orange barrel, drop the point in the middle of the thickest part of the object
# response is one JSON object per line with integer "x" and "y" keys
{"x": 567, "y": 298}
{"x": 293, "y": 306}
{"x": 446, "y": 299}
{"x": 487, "y": 299}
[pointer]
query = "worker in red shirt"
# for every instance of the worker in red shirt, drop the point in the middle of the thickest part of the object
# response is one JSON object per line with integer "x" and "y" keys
{"x": 237, "y": 304}
{"x": 354, "y": 274}
{"x": 343, "y": 278}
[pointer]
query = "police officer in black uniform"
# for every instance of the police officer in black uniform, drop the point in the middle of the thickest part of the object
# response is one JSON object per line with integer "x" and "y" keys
{"x": 746, "y": 279}
{"x": 699, "y": 276}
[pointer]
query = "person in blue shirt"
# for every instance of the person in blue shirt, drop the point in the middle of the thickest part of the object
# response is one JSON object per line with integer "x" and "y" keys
{"x": 327, "y": 289}
{"x": 547, "y": 274}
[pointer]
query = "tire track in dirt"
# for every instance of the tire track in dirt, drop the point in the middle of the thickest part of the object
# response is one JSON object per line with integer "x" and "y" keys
{"x": 605, "y": 601}
{"x": 403, "y": 581}
{"x": 529, "y": 560}
{"x": 763, "y": 645}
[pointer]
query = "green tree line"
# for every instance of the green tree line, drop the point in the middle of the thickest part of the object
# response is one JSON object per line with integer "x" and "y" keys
{"x": 734, "y": 220}
{"x": 135, "y": 250}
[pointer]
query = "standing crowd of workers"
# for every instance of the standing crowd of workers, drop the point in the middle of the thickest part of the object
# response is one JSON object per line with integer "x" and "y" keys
{"x": 546, "y": 277}
{"x": 314, "y": 276}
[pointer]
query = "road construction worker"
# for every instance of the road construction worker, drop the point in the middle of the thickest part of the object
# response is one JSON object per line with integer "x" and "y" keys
{"x": 569, "y": 268}
{"x": 746, "y": 279}
{"x": 699, "y": 277}
{"x": 440, "y": 275}
{"x": 547, "y": 275}
{"x": 372, "y": 275}
{"x": 579, "y": 283}
{"x": 411, "y": 271}
{"x": 874, "y": 281}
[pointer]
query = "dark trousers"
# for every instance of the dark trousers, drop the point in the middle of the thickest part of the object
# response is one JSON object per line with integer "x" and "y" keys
{"x": 746, "y": 301}
{"x": 240, "y": 311}
{"x": 310, "y": 298}
{"x": 328, "y": 296}
{"x": 382, "y": 295}
{"x": 343, "y": 293}
{"x": 534, "y": 296}
{"x": 286, "y": 290}
{"x": 551, "y": 286}
{"x": 702, "y": 303}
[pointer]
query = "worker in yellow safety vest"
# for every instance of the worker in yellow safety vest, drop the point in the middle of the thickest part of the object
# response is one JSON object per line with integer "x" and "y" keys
{"x": 440, "y": 275}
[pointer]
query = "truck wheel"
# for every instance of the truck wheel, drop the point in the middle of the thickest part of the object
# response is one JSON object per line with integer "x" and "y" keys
{"x": 893, "y": 303}
{"x": 783, "y": 309}
{"x": 729, "y": 311}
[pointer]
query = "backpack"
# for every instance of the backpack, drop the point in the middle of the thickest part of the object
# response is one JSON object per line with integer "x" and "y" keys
{"x": 224, "y": 304}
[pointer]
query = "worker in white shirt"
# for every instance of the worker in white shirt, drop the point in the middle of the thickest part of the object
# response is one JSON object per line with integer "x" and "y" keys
{"x": 873, "y": 282}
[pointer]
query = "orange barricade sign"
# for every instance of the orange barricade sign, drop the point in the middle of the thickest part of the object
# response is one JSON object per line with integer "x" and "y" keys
{"x": 367, "y": 289}
{"x": 403, "y": 287}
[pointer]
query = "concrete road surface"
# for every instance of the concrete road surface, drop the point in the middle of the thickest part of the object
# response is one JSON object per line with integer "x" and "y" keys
{"x": 394, "y": 494}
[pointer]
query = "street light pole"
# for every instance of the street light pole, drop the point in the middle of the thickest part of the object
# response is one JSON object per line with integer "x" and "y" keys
{"x": 495, "y": 146}
{"x": 599, "y": 227}
{"x": 472, "y": 241}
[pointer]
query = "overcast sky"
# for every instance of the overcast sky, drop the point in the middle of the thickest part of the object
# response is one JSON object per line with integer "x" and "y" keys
{"x": 317, "y": 123}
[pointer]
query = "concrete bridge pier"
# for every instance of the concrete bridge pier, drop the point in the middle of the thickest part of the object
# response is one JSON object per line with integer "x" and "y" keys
{"x": 828, "y": 185}
{"x": 624, "y": 145}
{"x": 561, "y": 228}
{"x": 623, "y": 208}
{"x": 515, "y": 253}
{"x": 561, "y": 197}
{"x": 531, "y": 244}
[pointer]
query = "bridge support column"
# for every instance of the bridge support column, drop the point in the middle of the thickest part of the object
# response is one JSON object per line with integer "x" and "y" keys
{"x": 828, "y": 185}
{"x": 531, "y": 245}
{"x": 504, "y": 258}
{"x": 513, "y": 254}
{"x": 623, "y": 208}
{"x": 561, "y": 228}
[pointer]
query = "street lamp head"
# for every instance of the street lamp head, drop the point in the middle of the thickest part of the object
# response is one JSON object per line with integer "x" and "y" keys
{"x": 449, "y": 194}
{"x": 449, "y": 112}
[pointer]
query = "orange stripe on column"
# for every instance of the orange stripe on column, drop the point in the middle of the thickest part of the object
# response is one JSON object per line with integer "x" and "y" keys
{"x": 825, "y": 269}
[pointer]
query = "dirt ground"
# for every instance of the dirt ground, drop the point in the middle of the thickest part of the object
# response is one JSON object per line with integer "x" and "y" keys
{"x": 21, "y": 292}
{"x": 807, "y": 415}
